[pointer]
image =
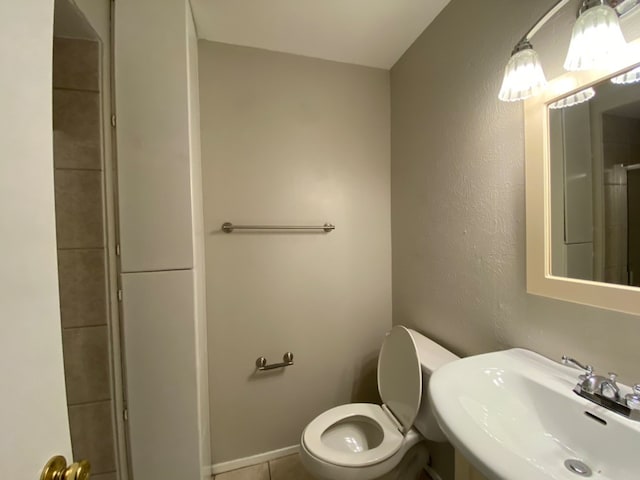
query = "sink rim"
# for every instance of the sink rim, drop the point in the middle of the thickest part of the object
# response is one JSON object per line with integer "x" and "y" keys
{"x": 557, "y": 378}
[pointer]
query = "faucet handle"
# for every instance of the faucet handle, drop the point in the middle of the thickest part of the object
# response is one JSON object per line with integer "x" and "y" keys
{"x": 572, "y": 362}
{"x": 609, "y": 388}
{"x": 633, "y": 399}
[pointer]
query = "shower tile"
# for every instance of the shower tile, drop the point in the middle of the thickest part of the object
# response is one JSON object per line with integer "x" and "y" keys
{"x": 79, "y": 222}
{"x": 76, "y": 64}
{"x": 82, "y": 280}
{"x": 615, "y": 205}
{"x": 288, "y": 468}
{"x": 256, "y": 472}
{"x": 76, "y": 130}
{"x": 86, "y": 364}
{"x": 615, "y": 251}
{"x": 92, "y": 435}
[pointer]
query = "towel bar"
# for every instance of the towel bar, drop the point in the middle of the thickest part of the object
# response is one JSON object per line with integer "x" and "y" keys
{"x": 228, "y": 227}
{"x": 287, "y": 360}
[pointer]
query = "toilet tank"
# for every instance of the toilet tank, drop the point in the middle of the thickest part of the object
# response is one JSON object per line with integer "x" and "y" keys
{"x": 432, "y": 356}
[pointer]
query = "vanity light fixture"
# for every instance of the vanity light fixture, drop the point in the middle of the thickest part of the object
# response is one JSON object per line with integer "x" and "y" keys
{"x": 523, "y": 76}
{"x": 575, "y": 99}
{"x": 596, "y": 41}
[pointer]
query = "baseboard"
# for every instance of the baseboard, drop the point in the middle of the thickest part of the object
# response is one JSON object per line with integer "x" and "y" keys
{"x": 253, "y": 460}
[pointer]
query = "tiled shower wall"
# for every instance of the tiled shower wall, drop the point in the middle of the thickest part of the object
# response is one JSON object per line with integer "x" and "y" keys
{"x": 80, "y": 227}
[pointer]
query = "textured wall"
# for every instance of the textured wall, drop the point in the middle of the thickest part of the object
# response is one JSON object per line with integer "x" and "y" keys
{"x": 292, "y": 140}
{"x": 458, "y": 216}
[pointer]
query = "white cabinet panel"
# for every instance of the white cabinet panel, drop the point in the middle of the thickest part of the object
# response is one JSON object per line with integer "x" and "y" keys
{"x": 160, "y": 339}
{"x": 153, "y": 135}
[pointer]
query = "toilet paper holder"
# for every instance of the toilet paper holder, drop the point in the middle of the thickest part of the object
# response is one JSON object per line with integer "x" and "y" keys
{"x": 287, "y": 360}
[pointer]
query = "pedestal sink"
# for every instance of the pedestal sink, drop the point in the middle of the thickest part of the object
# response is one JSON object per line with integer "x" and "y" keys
{"x": 514, "y": 416}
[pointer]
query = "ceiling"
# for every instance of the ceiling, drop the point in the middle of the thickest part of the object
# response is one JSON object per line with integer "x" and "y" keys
{"x": 365, "y": 32}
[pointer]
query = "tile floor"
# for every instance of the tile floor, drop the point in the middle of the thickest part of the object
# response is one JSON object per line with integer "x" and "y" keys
{"x": 285, "y": 468}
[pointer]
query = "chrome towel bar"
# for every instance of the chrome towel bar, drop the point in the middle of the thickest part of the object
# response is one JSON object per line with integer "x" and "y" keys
{"x": 287, "y": 360}
{"x": 229, "y": 227}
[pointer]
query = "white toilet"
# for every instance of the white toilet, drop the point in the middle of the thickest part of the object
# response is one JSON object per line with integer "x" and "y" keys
{"x": 364, "y": 441}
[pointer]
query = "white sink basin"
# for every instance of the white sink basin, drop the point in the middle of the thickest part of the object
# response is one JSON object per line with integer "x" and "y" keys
{"x": 514, "y": 416}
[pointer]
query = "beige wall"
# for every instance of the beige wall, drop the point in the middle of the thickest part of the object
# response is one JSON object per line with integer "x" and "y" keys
{"x": 458, "y": 196}
{"x": 292, "y": 140}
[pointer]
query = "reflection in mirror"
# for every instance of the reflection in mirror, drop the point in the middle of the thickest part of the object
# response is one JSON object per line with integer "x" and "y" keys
{"x": 595, "y": 182}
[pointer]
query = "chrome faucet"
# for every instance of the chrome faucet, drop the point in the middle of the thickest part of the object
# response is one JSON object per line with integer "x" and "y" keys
{"x": 609, "y": 388}
{"x": 590, "y": 382}
{"x": 604, "y": 391}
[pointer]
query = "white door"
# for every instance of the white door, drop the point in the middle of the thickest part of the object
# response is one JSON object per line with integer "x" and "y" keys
{"x": 33, "y": 413}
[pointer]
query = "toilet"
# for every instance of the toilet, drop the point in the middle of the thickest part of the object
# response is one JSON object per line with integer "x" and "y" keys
{"x": 365, "y": 441}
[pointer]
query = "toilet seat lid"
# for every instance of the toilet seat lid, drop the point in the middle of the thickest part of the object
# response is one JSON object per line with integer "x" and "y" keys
{"x": 400, "y": 376}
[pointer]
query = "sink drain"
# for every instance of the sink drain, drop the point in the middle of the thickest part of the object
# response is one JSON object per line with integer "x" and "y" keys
{"x": 578, "y": 467}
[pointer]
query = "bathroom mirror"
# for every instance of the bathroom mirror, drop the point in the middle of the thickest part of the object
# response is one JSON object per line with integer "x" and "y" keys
{"x": 595, "y": 183}
{"x": 583, "y": 188}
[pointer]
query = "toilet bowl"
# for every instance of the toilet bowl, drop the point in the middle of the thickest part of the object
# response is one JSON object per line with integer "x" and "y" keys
{"x": 364, "y": 441}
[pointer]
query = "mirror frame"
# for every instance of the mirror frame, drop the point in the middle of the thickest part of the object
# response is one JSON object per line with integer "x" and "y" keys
{"x": 540, "y": 280}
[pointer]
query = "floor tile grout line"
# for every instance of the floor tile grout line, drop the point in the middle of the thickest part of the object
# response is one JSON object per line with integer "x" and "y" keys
{"x": 257, "y": 471}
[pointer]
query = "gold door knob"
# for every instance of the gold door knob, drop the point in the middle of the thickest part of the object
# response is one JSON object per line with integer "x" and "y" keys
{"x": 57, "y": 469}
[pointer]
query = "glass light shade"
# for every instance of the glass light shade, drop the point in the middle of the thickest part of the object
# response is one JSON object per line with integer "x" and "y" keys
{"x": 523, "y": 76}
{"x": 575, "y": 99}
{"x": 596, "y": 41}
{"x": 632, "y": 76}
